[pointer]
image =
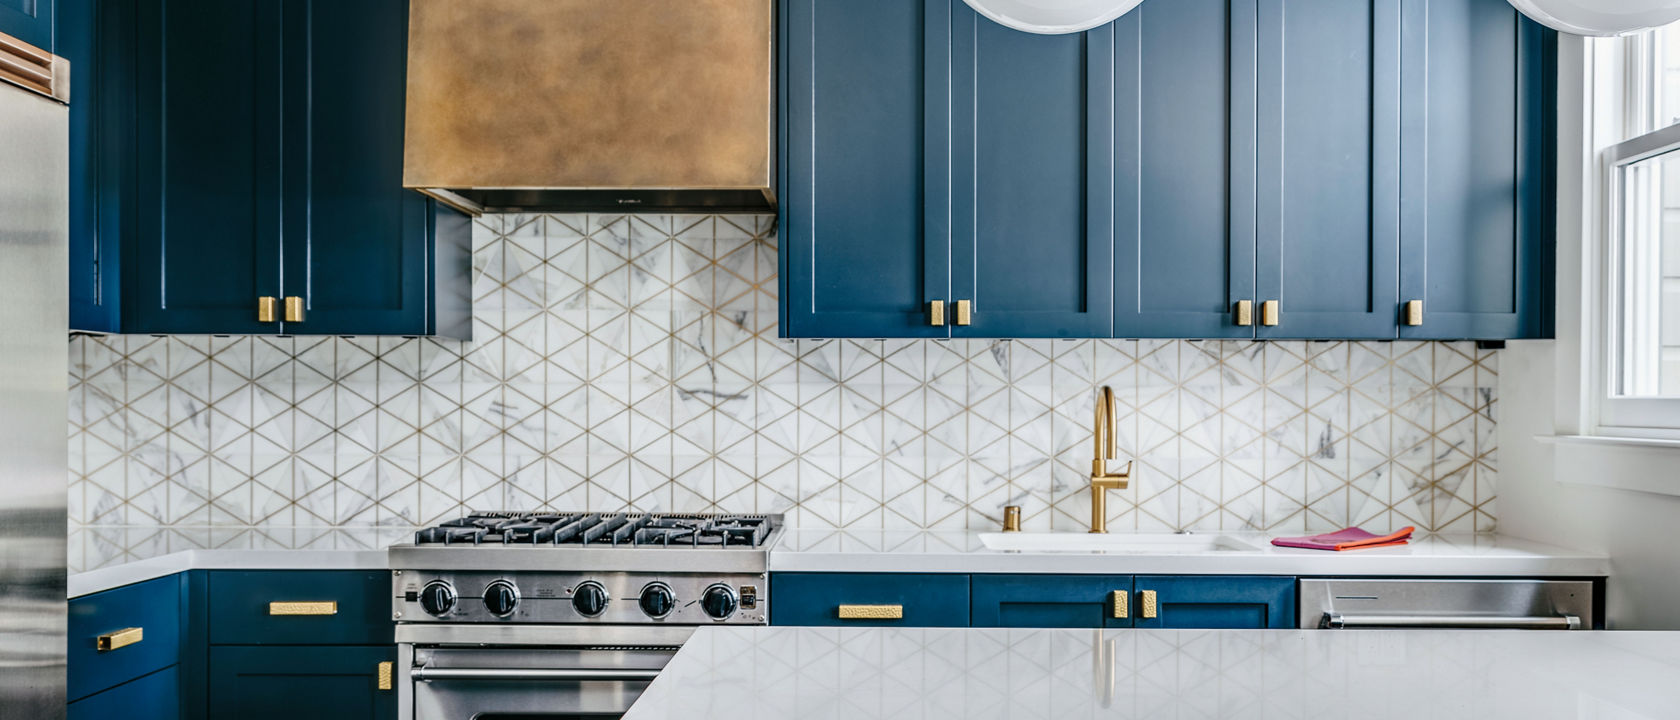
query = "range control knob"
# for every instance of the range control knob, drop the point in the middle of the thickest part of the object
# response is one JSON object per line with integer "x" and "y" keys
{"x": 589, "y": 599}
{"x": 437, "y": 598}
{"x": 657, "y": 600}
{"x": 718, "y": 601}
{"x": 500, "y": 598}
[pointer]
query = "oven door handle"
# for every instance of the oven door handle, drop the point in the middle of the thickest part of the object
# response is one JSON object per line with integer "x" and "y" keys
{"x": 1337, "y": 621}
{"x": 427, "y": 674}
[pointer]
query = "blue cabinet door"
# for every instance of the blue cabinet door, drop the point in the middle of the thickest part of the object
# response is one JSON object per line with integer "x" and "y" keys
{"x": 1216, "y": 602}
{"x": 30, "y": 21}
{"x": 154, "y": 697}
{"x": 241, "y": 611}
{"x": 153, "y": 607}
{"x": 816, "y": 599}
{"x": 1477, "y": 235}
{"x": 359, "y": 249}
{"x": 1184, "y": 178}
{"x": 862, "y": 184}
{"x": 90, "y": 35}
{"x": 207, "y": 241}
{"x": 1327, "y": 224}
{"x": 1032, "y": 231}
{"x": 1050, "y": 601}
{"x": 282, "y": 683}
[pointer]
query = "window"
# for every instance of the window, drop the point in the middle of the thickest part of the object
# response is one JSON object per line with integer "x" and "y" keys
{"x": 1638, "y": 366}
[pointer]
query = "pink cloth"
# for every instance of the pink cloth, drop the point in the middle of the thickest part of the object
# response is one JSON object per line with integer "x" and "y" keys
{"x": 1346, "y": 539}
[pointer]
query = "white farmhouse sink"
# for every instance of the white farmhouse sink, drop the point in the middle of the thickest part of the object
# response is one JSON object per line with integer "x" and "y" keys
{"x": 1141, "y": 543}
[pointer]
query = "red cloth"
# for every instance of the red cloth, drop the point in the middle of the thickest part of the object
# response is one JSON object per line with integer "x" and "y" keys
{"x": 1346, "y": 539}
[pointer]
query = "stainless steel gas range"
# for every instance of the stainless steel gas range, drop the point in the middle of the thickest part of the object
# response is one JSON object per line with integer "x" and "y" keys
{"x": 564, "y": 615}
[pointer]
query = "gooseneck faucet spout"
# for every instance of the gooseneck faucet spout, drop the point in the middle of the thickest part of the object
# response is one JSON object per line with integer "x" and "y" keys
{"x": 1102, "y": 480}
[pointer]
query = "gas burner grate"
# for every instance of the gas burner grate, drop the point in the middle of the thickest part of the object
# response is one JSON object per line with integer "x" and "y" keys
{"x": 601, "y": 529}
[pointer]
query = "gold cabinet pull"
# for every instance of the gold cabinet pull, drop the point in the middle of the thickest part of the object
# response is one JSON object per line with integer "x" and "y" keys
{"x": 294, "y": 309}
{"x": 936, "y": 313}
{"x": 1269, "y": 313}
{"x": 871, "y": 612}
{"x": 1150, "y": 606}
{"x": 265, "y": 309}
{"x": 1413, "y": 313}
{"x": 1118, "y": 597}
{"x": 1245, "y": 313}
{"x": 965, "y": 313}
{"x": 121, "y": 638}
{"x": 384, "y": 675}
{"x": 303, "y": 608}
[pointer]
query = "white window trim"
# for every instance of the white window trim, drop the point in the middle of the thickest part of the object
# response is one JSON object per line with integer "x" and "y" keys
{"x": 1586, "y": 452}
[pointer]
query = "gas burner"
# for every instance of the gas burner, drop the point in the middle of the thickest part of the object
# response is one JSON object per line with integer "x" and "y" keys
{"x": 601, "y": 529}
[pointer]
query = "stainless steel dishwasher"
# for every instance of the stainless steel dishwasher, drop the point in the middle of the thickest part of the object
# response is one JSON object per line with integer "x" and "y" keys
{"x": 1349, "y": 603}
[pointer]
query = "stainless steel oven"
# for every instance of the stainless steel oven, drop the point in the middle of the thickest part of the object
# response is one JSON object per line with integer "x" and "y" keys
{"x": 462, "y": 672}
{"x": 552, "y": 616}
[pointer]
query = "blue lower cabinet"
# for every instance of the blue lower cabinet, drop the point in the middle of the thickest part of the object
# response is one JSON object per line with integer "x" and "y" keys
{"x": 1214, "y": 602}
{"x": 300, "y": 607}
{"x": 282, "y": 683}
{"x": 121, "y": 634}
{"x": 869, "y": 600}
{"x": 1050, "y": 601}
{"x": 153, "y": 697}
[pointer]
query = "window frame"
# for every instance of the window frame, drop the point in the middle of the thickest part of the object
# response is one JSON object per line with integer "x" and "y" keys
{"x": 1613, "y": 414}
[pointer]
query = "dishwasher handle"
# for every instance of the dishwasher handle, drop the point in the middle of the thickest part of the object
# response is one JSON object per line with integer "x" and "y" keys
{"x": 427, "y": 674}
{"x": 1338, "y": 621}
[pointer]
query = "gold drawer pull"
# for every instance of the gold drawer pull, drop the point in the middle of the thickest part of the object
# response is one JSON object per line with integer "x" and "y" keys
{"x": 385, "y": 675}
{"x": 1150, "y": 604}
{"x": 121, "y": 638}
{"x": 1120, "y": 605}
{"x": 871, "y": 612}
{"x": 303, "y": 608}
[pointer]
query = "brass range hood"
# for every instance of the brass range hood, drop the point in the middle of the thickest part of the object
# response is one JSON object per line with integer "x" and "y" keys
{"x": 592, "y": 105}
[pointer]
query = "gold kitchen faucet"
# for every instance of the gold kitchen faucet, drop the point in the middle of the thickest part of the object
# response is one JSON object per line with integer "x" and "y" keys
{"x": 1102, "y": 480}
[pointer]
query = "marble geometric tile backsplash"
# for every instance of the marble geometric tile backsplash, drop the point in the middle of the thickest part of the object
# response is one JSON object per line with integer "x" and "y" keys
{"x": 631, "y": 362}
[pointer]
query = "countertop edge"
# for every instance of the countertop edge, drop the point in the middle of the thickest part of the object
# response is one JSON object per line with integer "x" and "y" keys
{"x": 115, "y": 576}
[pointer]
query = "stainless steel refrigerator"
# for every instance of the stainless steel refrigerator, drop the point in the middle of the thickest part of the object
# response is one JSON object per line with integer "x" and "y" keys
{"x": 34, "y": 309}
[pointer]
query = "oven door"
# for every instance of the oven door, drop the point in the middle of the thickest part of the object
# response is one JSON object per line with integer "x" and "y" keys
{"x": 582, "y": 674}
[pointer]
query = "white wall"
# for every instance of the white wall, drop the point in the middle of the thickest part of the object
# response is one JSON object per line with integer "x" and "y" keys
{"x": 1640, "y": 531}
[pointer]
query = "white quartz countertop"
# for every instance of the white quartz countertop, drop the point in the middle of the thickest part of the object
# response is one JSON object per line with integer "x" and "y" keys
{"x": 775, "y": 673}
{"x": 932, "y": 551}
{"x": 105, "y": 557}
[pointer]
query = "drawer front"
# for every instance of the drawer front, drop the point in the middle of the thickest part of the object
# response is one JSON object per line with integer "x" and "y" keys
{"x": 869, "y": 600}
{"x": 154, "y": 697}
{"x": 300, "y": 607}
{"x": 1053, "y": 601}
{"x": 1215, "y": 602}
{"x": 143, "y": 625}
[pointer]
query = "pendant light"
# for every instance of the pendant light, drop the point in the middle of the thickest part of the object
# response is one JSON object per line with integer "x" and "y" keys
{"x": 1053, "y": 17}
{"x": 1600, "y": 17}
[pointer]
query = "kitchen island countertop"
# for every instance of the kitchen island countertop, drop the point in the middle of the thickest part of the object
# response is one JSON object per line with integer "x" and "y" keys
{"x": 777, "y": 673}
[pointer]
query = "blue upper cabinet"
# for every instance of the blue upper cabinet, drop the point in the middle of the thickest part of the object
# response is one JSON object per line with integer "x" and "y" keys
{"x": 1327, "y": 223}
{"x": 100, "y": 157}
{"x": 1183, "y": 93}
{"x": 232, "y": 152}
{"x": 1477, "y": 237}
{"x": 207, "y": 243}
{"x": 1032, "y": 232}
{"x": 30, "y": 21}
{"x": 864, "y": 235}
{"x": 363, "y": 255}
